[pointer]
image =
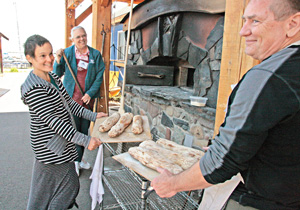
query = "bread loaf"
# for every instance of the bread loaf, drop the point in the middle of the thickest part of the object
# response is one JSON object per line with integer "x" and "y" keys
{"x": 120, "y": 126}
{"x": 137, "y": 124}
{"x": 194, "y": 153}
{"x": 180, "y": 159}
{"x": 107, "y": 124}
{"x": 153, "y": 159}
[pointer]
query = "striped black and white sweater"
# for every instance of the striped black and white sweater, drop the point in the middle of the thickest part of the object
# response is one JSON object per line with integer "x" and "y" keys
{"x": 52, "y": 129}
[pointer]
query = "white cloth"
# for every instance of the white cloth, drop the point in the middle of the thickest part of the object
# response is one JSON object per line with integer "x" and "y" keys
{"x": 96, "y": 188}
{"x": 214, "y": 197}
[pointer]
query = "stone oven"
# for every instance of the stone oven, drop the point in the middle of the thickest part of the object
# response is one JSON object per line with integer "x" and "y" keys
{"x": 175, "y": 52}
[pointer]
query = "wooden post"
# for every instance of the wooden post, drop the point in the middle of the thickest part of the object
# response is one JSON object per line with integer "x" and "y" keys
{"x": 122, "y": 104}
{"x": 70, "y": 23}
{"x": 235, "y": 63}
{"x": 1, "y": 60}
{"x": 102, "y": 18}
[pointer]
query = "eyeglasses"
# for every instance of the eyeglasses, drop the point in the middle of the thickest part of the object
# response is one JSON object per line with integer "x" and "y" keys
{"x": 78, "y": 37}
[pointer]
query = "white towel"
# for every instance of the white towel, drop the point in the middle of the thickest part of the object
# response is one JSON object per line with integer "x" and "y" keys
{"x": 216, "y": 196}
{"x": 96, "y": 188}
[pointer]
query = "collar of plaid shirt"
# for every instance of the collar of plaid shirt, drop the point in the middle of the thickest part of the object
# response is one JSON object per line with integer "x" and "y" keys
{"x": 84, "y": 56}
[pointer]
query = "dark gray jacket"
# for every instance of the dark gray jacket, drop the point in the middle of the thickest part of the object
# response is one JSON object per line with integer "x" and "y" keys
{"x": 260, "y": 137}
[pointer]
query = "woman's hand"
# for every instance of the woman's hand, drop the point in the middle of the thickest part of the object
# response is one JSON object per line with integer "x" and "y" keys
{"x": 101, "y": 114}
{"x": 205, "y": 149}
{"x": 59, "y": 54}
{"x": 94, "y": 143}
{"x": 86, "y": 99}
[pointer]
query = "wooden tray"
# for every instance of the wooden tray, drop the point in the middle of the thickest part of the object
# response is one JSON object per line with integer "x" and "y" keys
{"x": 136, "y": 166}
{"x": 126, "y": 136}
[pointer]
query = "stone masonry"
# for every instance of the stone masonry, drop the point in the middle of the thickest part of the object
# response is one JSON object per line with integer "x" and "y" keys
{"x": 170, "y": 114}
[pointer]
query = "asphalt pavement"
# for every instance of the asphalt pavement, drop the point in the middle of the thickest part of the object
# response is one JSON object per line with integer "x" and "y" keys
{"x": 16, "y": 154}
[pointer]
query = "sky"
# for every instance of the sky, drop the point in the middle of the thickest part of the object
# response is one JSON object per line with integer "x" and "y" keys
{"x": 43, "y": 17}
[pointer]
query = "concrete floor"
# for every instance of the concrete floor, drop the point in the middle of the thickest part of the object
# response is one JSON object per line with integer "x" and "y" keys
{"x": 17, "y": 156}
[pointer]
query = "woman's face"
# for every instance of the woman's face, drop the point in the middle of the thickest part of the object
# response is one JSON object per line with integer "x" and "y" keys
{"x": 79, "y": 38}
{"x": 43, "y": 60}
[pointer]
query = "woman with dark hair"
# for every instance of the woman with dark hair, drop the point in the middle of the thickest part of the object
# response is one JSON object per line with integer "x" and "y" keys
{"x": 54, "y": 184}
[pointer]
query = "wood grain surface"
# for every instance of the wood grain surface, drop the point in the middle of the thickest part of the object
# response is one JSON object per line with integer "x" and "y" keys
{"x": 126, "y": 136}
{"x": 136, "y": 166}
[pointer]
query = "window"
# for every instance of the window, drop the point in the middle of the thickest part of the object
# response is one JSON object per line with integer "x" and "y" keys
{"x": 121, "y": 46}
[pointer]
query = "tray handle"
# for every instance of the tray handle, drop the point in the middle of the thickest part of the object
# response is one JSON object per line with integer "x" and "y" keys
{"x": 158, "y": 76}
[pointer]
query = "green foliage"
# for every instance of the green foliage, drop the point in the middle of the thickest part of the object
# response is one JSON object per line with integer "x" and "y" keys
{"x": 14, "y": 70}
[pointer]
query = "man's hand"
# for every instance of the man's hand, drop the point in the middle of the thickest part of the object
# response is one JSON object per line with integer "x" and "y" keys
{"x": 94, "y": 143}
{"x": 86, "y": 99}
{"x": 101, "y": 114}
{"x": 59, "y": 54}
{"x": 167, "y": 184}
{"x": 163, "y": 185}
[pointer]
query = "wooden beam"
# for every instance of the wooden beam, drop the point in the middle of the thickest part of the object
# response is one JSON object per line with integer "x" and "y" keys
{"x": 235, "y": 63}
{"x": 128, "y": 1}
{"x": 102, "y": 21}
{"x": 69, "y": 24}
{"x": 84, "y": 15}
{"x": 118, "y": 19}
{"x": 72, "y": 4}
{"x": 2, "y": 35}
{"x": 105, "y": 3}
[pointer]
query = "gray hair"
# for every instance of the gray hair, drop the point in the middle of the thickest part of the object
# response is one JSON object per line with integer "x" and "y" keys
{"x": 283, "y": 9}
{"x": 74, "y": 29}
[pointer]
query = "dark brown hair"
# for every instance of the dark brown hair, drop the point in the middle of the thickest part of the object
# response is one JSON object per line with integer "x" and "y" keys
{"x": 32, "y": 42}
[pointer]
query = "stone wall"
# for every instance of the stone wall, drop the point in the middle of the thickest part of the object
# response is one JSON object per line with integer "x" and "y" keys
{"x": 170, "y": 114}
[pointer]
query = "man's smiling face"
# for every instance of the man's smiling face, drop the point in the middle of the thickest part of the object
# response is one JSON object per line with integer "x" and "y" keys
{"x": 263, "y": 34}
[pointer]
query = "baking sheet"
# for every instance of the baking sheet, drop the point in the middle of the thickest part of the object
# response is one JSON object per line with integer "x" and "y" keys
{"x": 136, "y": 166}
{"x": 126, "y": 136}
